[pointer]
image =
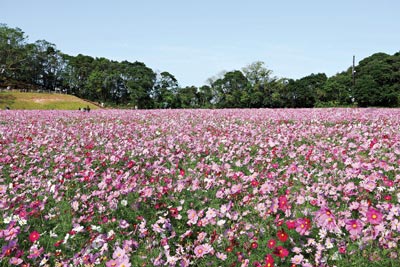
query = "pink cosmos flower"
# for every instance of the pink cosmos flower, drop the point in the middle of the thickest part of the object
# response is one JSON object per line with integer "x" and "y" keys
{"x": 123, "y": 224}
{"x": 395, "y": 225}
{"x": 199, "y": 251}
{"x": 201, "y": 236}
{"x": 221, "y": 256}
{"x": 297, "y": 259}
{"x": 323, "y": 214}
{"x": 124, "y": 262}
{"x": 15, "y": 261}
{"x": 374, "y": 216}
{"x": 208, "y": 248}
{"x": 10, "y": 233}
{"x": 292, "y": 169}
{"x": 302, "y": 226}
{"x": 35, "y": 252}
{"x": 236, "y": 188}
{"x": 325, "y": 219}
{"x": 111, "y": 263}
{"x": 146, "y": 192}
{"x": 3, "y": 189}
{"x": 119, "y": 253}
{"x": 354, "y": 227}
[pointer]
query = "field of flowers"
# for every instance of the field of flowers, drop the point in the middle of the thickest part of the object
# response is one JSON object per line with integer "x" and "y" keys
{"x": 305, "y": 187}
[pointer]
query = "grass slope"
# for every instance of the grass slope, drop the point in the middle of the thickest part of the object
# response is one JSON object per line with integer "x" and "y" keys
{"x": 17, "y": 100}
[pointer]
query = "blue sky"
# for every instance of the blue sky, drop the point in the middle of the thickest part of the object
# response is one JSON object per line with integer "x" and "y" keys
{"x": 195, "y": 40}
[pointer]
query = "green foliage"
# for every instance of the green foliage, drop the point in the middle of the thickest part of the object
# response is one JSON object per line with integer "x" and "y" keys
{"x": 303, "y": 92}
{"x": 377, "y": 81}
{"x": 231, "y": 90}
{"x": 164, "y": 91}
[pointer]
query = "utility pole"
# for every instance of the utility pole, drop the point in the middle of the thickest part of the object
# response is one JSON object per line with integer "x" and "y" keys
{"x": 353, "y": 72}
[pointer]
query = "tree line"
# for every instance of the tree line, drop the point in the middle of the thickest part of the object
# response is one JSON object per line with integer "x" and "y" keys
{"x": 40, "y": 65}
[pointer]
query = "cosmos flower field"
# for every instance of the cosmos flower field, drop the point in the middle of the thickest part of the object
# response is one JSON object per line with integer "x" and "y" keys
{"x": 295, "y": 187}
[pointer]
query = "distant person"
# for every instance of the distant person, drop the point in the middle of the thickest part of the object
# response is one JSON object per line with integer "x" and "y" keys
{"x": 7, "y": 108}
{"x": 88, "y": 108}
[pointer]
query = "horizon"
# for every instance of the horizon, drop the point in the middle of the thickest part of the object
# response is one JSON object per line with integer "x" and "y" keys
{"x": 196, "y": 41}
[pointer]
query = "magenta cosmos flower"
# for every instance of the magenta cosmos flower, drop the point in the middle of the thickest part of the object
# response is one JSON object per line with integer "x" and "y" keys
{"x": 34, "y": 236}
{"x": 374, "y": 216}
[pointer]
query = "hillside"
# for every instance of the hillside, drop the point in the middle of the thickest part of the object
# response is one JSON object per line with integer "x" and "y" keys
{"x": 33, "y": 101}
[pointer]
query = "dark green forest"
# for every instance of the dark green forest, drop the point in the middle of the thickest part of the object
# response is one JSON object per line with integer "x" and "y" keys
{"x": 40, "y": 66}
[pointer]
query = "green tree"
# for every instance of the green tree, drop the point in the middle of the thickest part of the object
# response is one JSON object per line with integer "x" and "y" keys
{"x": 13, "y": 53}
{"x": 303, "y": 92}
{"x": 48, "y": 65}
{"x": 98, "y": 86}
{"x": 259, "y": 93}
{"x": 376, "y": 84}
{"x": 205, "y": 96}
{"x": 187, "y": 97}
{"x": 165, "y": 90}
{"x": 139, "y": 82}
{"x": 279, "y": 94}
{"x": 231, "y": 90}
{"x": 76, "y": 74}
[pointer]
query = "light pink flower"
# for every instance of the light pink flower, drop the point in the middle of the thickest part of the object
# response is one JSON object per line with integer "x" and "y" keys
{"x": 111, "y": 263}
{"x": 221, "y": 256}
{"x": 297, "y": 259}
{"x": 119, "y": 253}
{"x": 199, "y": 251}
{"x": 354, "y": 227}
{"x": 124, "y": 262}
{"x": 15, "y": 261}
{"x": 35, "y": 252}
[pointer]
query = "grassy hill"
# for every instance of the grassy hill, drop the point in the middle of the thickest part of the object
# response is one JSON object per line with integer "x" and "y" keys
{"x": 17, "y": 100}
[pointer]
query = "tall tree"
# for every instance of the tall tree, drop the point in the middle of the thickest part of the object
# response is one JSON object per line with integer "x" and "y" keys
{"x": 231, "y": 90}
{"x": 187, "y": 97}
{"x": 337, "y": 90}
{"x": 139, "y": 81}
{"x": 49, "y": 65}
{"x": 261, "y": 82}
{"x": 77, "y": 72}
{"x": 205, "y": 96}
{"x": 303, "y": 92}
{"x": 375, "y": 85}
{"x": 165, "y": 89}
{"x": 13, "y": 52}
